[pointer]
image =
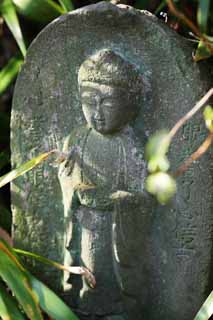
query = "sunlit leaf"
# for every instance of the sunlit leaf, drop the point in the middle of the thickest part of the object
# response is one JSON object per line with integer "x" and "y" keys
{"x": 17, "y": 280}
{"x": 162, "y": 185}
{"x": 9, "y": 72}
{"x": 157, "y": 145}
{"x": 206, "y": 311}
{"x": 42, "y": 11}
{"x": 72, "y": 269}
{"x": 50, "y": 302}
{"x": 9, "y": 14}
{"x": 158, "y": 163}
{"x": 8, "y": 306}
{"x": 202, "y": 52}
{"x": 202, "y": 14}
{"x": 23, "y": 168}
{"x": 66, "y": 5}
{"x": 208, "y": 116}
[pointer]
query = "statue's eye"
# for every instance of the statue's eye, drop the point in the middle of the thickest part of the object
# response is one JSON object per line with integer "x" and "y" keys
{"x": 108, "y": 103}
{"x": 88, "y": 102}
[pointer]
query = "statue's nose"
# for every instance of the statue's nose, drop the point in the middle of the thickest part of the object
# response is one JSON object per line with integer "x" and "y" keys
{"x": 98, "y": 111}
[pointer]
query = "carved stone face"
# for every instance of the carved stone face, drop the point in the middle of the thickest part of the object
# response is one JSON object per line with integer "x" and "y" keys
{"x": 107, "y": 109}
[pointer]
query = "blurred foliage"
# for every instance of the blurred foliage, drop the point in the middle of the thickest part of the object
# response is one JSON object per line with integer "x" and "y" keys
{"x": 27, "y": 166}
{"x": 31, "y": 298}
{"x": 208, "y": 116}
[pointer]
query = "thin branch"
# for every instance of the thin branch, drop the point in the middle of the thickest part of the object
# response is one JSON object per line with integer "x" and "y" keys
{"x": 190, "y": 24}
{"x": 197, "y": 107}
{"x": 197, "y": 154}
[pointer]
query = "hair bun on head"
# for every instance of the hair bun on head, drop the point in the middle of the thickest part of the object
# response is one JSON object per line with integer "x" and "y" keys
{"x": 108, "y": 67}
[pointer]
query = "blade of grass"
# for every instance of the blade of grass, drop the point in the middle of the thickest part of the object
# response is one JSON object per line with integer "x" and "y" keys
{"x": 50, "y": 302}
{"x": 66, "y": 5}
{"x": 206, "y": 311}
{"x": 9, "y": 14}
{"x": 202, "y": 14}
{"x": 9, "y": 72}
{"x": 160, "y": 7}
{"x": 8, "y": 306}
{"x": 17, "y": 280}
{"x": 24, "y": 168}
{"x": 72, "y": 269}
{"x": 41, "y": 11}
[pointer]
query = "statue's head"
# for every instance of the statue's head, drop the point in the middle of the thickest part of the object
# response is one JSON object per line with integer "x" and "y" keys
{"x": 109, "y": 88}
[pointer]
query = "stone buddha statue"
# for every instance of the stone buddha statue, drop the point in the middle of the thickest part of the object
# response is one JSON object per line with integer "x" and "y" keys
{"x": 103, "y": 185}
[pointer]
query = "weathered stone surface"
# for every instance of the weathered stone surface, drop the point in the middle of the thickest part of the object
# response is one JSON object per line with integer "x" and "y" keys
{"x": 172, "y": 244}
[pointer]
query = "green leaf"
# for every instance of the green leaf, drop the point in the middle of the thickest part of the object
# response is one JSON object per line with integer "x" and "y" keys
{"x": 157, "y": 145}
{"x": 158, "y": 163}
{"x": 72, "y": 269}
{"x": 17, "y": 280}
{"x": 9, "y": 72}
{"x": 202, "y": 52}
{"x": 9, "y": 14}
{"x": 202, "y": 14}
{"x": 8, "y": 306}
{"x": 24, "y": 168}
{"x": 162, "y": 185}
{"x": 206, "y": 311}
{"x": 66, "y": 5}
{"x": 160, "y": 6}
{"x": 42, "y": 11}
{"x": 208, "y": 116}
{"x": 50, "y": 302}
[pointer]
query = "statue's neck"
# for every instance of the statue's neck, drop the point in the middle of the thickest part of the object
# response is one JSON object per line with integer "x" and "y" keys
{"x": 127, "y": 130}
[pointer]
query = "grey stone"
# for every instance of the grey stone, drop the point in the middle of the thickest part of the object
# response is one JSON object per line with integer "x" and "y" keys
{"x": 164, "y": 251}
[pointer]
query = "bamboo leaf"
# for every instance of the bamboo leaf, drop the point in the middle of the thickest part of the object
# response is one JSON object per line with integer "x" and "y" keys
{"x": 202, "y": 14}
{"x": 9, "y": 72}
{"x": 9, "y": 14}
{"x": 42, "y": 11}
{"x": 202, "y": 52}
{"x": 17, "y": 280}
{"x": 8, "y": 306}
{"x": 50, "y": 302}
{"x": 72, "y": 269}
{"x": 206, "y": 311}
{"x": 24, "y": 168}
{"x": 66, "y": 5}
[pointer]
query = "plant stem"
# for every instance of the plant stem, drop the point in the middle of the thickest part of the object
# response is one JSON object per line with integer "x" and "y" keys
{"x": 197, "y": 107}
{"x": 73, "y": 269}
{"x": 197, "y": 154}
{"x": 190, "y": 24}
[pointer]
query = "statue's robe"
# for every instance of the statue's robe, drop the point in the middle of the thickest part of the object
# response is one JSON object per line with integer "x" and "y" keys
{"x": 103, "y": 188}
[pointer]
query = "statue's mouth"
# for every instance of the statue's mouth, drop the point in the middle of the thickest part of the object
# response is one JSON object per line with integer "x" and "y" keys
{"x": 99, "y": 121}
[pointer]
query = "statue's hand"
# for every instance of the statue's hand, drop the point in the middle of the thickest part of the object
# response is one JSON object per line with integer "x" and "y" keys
{"x": 67, "y": 165}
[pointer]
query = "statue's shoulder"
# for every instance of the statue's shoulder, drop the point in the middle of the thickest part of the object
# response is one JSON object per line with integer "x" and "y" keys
{"x": 75, "y": 139}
